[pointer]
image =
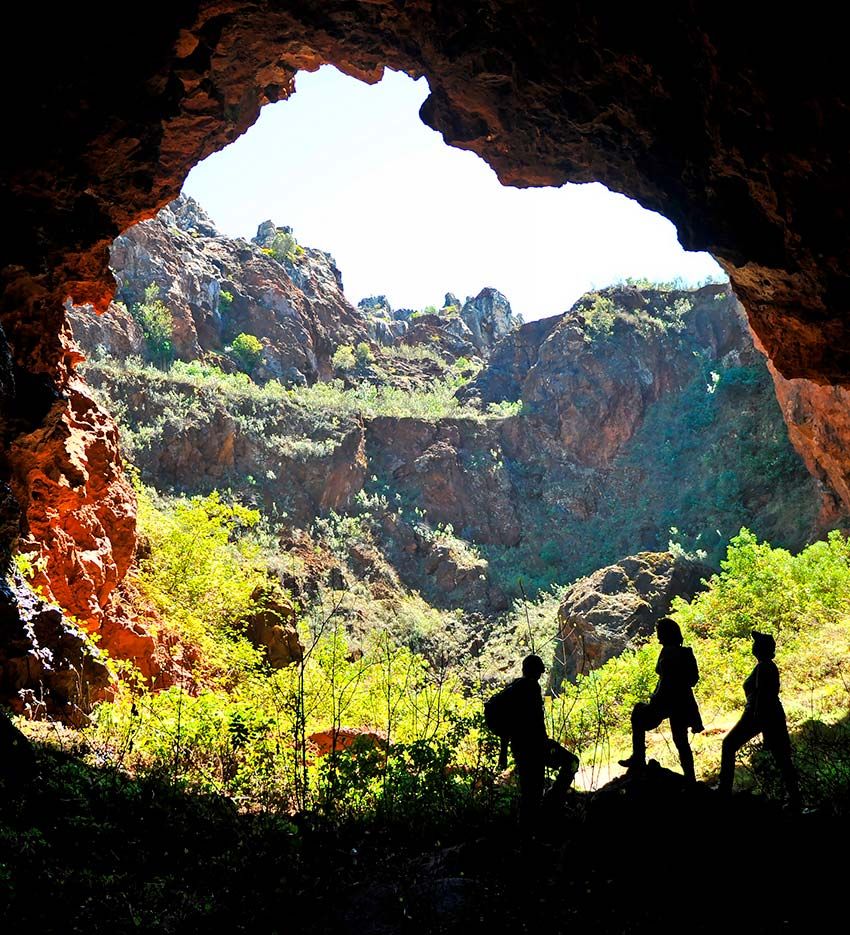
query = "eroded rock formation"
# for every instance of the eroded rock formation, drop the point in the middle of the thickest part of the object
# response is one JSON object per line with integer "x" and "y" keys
{"x": 47, "y": 665}
{"x": 603, "y": 614}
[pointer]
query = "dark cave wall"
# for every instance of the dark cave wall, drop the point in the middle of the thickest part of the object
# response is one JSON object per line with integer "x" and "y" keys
{"x": 731, "y": 122}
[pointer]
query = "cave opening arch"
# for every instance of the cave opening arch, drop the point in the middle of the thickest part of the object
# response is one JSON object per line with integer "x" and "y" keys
{"x": 685, "y": 117}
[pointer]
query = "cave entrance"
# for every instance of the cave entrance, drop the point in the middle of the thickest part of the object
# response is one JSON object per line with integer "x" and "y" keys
{"x": 464, "y": 459}
{"x": 353, "y": 170}
{"x": 433, "y": 438}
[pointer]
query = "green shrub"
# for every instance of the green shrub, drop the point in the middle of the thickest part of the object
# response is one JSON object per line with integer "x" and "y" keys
{"x": 200, "y": 575}
{"x": 343, "y": 358}
{"x": 363, "y": 354}
{"x": 225, "y": 301}
{"x": 284, "y": 247}
{"x": 598, "y": 313}
{"x": 247, "y": 349}
{"x": 154, "y": 319}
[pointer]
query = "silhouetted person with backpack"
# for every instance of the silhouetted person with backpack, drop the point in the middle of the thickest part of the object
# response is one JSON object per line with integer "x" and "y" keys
{"x": 516, "y": 715}
{"x": 673, "y": 698}
{"x": 763, "y": 714}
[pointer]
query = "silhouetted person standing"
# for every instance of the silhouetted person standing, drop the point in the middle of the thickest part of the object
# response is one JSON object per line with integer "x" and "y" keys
{"x": 531, "y": 747}
{"x": 763, "y": 714}
{"x": 673, "y": 698}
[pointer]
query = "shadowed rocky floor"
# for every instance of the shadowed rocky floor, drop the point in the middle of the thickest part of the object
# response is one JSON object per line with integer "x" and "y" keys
{"x": 90, "y": 850}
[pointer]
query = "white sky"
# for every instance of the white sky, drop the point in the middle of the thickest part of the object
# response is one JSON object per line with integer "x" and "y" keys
{"x": 354, "y": 171}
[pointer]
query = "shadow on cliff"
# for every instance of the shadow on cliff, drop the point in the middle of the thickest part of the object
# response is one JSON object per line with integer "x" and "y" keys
{"x": 91, "y": 849}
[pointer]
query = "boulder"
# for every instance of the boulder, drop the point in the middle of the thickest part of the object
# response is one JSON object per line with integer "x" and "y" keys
{"x": 325, "y": 741}
{"x": 617, "y": 607}
{"x": 272, "y": 628}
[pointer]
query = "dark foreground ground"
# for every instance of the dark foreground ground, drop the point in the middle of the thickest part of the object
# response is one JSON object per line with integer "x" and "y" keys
{"x": 89, "y": 850}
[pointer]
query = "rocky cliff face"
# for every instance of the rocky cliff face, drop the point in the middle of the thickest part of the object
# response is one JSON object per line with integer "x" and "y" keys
{"x": 471, "y": 328}
{"x": 605, "y": 613}
{"x": 216, "y": 288}
{"x": 642, "y": 411}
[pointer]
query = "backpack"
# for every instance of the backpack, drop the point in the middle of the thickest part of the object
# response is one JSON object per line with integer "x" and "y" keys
{"x": 500, "y": 713}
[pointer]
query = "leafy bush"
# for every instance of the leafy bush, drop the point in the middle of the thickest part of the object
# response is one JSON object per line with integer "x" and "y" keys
{"x": 284, "y": 247}
{"x": 599, "y": 312}
{"x": 200, "y": 574}
{"x": 225, "y": 301}
{"x": 505, "y": 409}
{"x": 343, "y": 358}
{"x": 154, "y": 319}
{"x": 761, "y": 587}
{"x": 363, "y": 354}
{"x": 247, "y": 349}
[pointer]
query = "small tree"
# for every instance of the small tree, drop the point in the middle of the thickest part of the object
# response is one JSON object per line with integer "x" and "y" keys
{"x": 284, "y": 247}
{"x": 247, "y": 349}
{"x": 363, "y": 354}
{"x": 154, "y": 318}
{"x": 225, "y": 301}
{"x": 343, "y": 359}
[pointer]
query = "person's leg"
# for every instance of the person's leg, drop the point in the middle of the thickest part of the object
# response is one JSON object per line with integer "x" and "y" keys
{"x": 558, "y": 757}
{"x": 531, "y": 772}
{"x": 679, "y": 729}
{"x": 644, "y": 717}
{"x": 776, "y": 740}
{"x": 740, "y": 734}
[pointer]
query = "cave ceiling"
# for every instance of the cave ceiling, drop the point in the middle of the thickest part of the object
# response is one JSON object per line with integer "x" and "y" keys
{"x": 734, "y": 127}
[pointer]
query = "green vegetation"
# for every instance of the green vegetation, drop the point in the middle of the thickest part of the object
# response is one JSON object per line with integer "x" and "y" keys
{"x": 659, "y": 312}
{"x": 407, "y": 684}
{"x": 285, "y": 248}
{"x": 247, "y": 349}
{"x": 598, "y": 313}
{"x": 363, "y": 354}
{"x": 154, "y": 319}
{"x": 343, "y": 358}
{"x": 200, "y": 577}
{"x": 428, "y": 310}
{"x": 225, "y": 301}
{"x": 327, "y": 401}
{"x": 805, "y": 600}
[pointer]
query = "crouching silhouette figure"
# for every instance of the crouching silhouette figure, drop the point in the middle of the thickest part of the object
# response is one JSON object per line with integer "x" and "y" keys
{"x": 763, "y": 714}
{"x": 673, "y": 698}
{"x": 516, "y": 715}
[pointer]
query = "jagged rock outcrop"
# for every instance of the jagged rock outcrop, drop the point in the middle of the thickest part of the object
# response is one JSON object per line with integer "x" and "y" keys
{"x": 488, "y": 316}
{"x": 467, "y": 329}
{"x": 605, "y": 613}
{"x": 510, "y": 361}
{"x": 596, "y": 370}
{"x": 47, "y": 664}
{"x": 82, "y": 510}
{"x": 216, "y": 288}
